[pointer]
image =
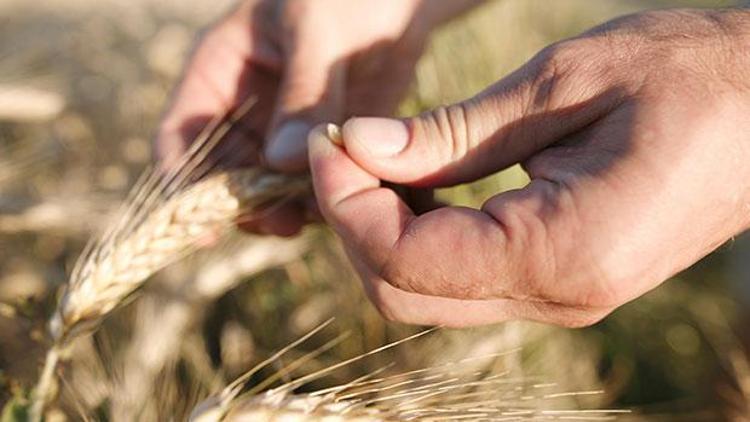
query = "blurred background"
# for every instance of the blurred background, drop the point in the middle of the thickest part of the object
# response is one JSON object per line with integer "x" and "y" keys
{"x": 82, "y": 86}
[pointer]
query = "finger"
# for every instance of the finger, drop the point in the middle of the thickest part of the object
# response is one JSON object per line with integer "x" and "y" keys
{"x": 377, "y": 225}
{"x": 412, "y": 308}
{"x": 508, "y": 250}
{"x": 342, "y": 188}
{"x": 459, "y": 246}
{"x": 311, "y": 91}
{"x": 229, "y": 65}
{"x": 284, "y": 220}
{"x": 548, "y": 98}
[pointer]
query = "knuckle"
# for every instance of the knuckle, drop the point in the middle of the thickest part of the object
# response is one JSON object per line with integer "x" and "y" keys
{"x": 449, "y": 125}
{"x": 554, "y": 67}
{"x": 569, "y": 71}
{"x": 560, "y": 59}
{"x": 528, "y": 232}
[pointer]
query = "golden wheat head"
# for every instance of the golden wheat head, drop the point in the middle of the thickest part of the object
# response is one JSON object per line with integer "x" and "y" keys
{"x": 168, "y": 215}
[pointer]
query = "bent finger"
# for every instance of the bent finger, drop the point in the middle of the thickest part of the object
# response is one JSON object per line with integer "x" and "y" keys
{"x": 230, "y": 64}
{"x": 413, "y": 308}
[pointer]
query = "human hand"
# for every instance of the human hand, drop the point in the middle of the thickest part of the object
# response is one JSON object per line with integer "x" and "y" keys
{"x": 301, "y": 62}
{"x": 636, "y": 137}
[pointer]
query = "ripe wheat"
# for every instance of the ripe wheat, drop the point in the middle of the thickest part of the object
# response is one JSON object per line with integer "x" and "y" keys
{"x": 465, "y": 390}
{"x": 167, "y": 216}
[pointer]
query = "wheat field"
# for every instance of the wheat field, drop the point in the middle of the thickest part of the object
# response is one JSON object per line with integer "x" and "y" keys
{"x": 167, "y": 342}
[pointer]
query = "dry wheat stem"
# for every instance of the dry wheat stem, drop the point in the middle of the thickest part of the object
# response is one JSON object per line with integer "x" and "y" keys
{"x": 45, "y": 384}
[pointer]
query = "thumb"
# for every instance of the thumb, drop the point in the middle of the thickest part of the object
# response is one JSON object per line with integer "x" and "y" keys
{"x": 311, "y": 91}
{"x": 532, "y": 108}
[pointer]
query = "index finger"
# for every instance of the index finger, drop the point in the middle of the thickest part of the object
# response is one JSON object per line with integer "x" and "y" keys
{"x": 451, "y": 252}
{"x": 231, "y": 64}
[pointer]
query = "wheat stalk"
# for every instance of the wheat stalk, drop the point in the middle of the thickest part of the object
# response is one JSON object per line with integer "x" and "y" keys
{"x": 168, "y": 215}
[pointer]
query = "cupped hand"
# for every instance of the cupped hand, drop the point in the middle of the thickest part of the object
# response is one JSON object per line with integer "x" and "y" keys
{"x": 301, "y": 62}
{"x": 636, "y": 136}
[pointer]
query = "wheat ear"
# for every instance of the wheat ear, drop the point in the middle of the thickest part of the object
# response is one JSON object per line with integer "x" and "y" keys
{"x": 112, "y": 273}
{"x": 167, "y": 216}
{"x": 467, "y": 389}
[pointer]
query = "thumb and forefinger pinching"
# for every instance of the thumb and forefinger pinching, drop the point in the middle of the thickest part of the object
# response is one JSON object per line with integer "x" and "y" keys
{"x": 477, "y": 260}
{"x": 451, "y": 252}
{"x": 510, "y": 248}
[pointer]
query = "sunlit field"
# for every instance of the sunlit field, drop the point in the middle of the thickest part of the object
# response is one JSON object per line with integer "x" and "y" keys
{"x": 83, "y": 84}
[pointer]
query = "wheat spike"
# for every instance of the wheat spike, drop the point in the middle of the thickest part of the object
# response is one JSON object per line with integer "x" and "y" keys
{"x": 461, "y": 390}
{"x": 168, "y": 215}
{"x": 120, "y": 266}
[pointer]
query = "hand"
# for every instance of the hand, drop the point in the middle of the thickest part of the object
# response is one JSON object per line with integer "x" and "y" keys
{"x": 303, "y": 62}
{"x": 636, "y": 137}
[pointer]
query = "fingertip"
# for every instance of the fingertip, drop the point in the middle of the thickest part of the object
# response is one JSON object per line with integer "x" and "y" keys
{"x": 366, "y": 216}
{"x": 321, "y": 147}
{"x": 335, "y": 175}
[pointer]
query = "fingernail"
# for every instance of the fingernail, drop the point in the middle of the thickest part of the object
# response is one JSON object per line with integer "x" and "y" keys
{"x": 379, "y": 136}
{"x": 287, "y": 148}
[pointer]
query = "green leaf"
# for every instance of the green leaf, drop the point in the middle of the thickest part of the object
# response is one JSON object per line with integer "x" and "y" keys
{"x": 16, "y": 410}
